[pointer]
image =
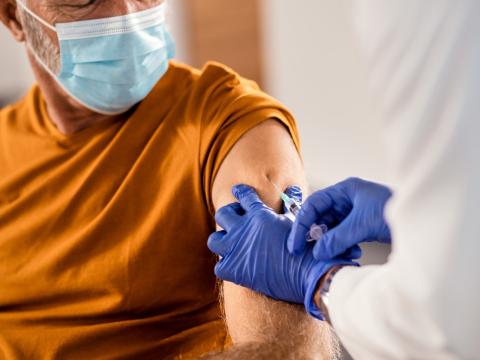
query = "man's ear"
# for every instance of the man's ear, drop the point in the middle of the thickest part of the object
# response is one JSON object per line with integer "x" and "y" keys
{"x": 9, "y": 16}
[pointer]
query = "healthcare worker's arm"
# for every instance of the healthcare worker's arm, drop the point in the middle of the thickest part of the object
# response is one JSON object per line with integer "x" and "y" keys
{"x": 256, "y": 323}
{"x": 424, "y": 59}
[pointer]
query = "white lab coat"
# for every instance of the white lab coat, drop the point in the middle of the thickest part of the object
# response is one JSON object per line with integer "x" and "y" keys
{"x": 424, "y": 63}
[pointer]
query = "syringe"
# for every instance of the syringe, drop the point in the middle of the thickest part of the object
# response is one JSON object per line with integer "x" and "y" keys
{"x": 316, "y": 230}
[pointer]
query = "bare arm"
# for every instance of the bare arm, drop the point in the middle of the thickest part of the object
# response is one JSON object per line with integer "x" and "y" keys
{"x": 258, "y": 325}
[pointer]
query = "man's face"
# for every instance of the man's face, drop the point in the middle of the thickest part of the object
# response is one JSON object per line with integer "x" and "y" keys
{"x": 44, "y": 41}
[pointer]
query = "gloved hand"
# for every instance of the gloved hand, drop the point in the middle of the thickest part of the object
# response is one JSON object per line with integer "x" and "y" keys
{"x": 253, "y": 250}
{"x": 353, "y": 210}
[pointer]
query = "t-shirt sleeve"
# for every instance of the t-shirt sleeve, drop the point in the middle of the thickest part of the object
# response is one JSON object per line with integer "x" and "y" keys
{"x": 229, "y": 107}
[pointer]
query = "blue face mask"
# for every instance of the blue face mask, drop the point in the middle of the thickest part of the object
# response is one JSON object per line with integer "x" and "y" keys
{"x": 109, "y": 65}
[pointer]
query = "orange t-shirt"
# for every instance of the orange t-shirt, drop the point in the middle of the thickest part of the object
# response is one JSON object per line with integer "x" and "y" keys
{"x": 103, "y": 233}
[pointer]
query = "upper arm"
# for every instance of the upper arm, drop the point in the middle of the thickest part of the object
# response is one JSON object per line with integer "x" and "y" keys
{"x": 265, "y": 152}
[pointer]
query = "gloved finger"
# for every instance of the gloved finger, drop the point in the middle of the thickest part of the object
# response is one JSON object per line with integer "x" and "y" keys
{"x": 355, "y": 252}
{"x": 228, "y": 216}
{"x": 385, "y": 234}
{"x": 315, "y": 206}
{"x": 221, "y": 271}
{"x": 248, "y": 197}
{"x": 218, "y": 244}
{"x": 294, "y": 192}
{"x": 329, "y": 220}
{"x": 348, "y": 233}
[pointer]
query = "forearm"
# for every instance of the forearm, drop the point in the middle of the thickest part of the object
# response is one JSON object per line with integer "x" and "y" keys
{"x": 288, "y": 327}
{"x": 259, "y": 351}
{"x": 255, "y": 350}
{"x": 271, "y": 329}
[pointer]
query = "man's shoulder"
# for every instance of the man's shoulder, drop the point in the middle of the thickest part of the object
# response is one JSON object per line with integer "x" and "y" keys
{"x": 16, "y": 113}
{"x": 10, "y": 112}
{"x": 214, "y": 70}
{"x": 213, "y": 77}
{"x": 219, "y": 75}
{"x": 7, "y": 108}
{"x": 211, "y": 94}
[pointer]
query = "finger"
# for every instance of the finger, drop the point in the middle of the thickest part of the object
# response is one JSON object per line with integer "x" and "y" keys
{"x": 315, "y": 206}
{"x": 228, "y": 216}
{"x": 222, "y": 271}
{"x": 338, "y": 240}
{"x": 355, "y": 252}
{"x": 248, "y": 197}
{"x": 218, "y": 244}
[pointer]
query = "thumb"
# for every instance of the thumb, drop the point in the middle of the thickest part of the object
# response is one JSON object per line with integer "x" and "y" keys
{"x": 338, "y": 240}
{"x": 248, "y": 197}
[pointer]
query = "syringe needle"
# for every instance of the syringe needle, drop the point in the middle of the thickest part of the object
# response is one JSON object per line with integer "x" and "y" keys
{"x": 275, "y": 186}
{"x": 316, "y": 231}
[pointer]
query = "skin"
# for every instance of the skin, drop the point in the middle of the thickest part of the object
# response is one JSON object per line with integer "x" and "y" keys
{"x": 257, "y": 325}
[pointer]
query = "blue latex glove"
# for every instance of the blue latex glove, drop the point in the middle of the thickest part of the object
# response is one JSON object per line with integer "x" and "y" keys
{"x": 253, "y": 250}
{"x": 353, "y": 210}
{"x": 294, "y": 192}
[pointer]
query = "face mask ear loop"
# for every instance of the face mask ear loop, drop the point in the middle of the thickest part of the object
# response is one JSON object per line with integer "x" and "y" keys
{"x": 38, "y": 18}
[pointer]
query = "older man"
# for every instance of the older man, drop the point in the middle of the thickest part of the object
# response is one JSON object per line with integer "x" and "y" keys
{"x": 110, "y": 170}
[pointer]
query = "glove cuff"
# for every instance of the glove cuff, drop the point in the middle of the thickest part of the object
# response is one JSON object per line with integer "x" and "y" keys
{"x": 312, "y": 284}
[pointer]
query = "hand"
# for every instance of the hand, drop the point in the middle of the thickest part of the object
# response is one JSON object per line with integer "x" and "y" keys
{"x": 254, "y": 252}
{"x": 353, "y": 210}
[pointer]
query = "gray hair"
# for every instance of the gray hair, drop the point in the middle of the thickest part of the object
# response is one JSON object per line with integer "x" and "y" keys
{"x": 38, "y": 41}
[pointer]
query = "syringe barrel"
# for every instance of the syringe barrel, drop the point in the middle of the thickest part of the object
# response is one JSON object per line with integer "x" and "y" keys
{"x": 294, "y": 209}
{"x": 316, "y": 231}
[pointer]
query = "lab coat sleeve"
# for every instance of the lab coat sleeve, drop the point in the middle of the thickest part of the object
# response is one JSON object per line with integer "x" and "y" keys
{"x": 424, "y": 67}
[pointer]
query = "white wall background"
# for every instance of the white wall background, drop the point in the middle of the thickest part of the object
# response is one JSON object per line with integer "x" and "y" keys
{"x": 314, "y": 67}
{"x": 178, "y": 24}
{"x": 15, "y": 74}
